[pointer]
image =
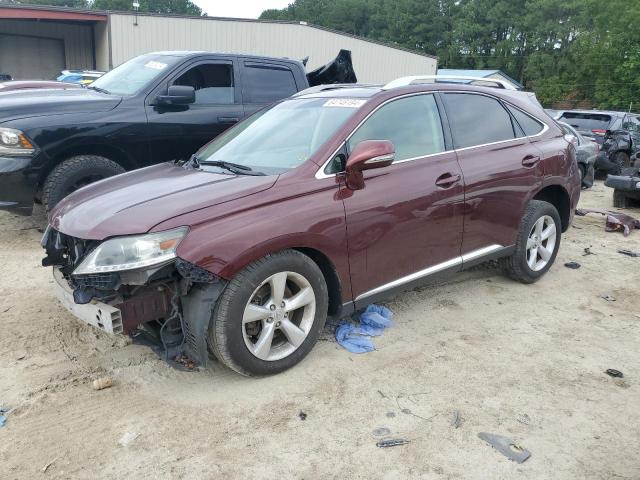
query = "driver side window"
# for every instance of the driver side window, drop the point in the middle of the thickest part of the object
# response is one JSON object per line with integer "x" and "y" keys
{"x": 412, "y": 124}
{"x": 213, "y": 83}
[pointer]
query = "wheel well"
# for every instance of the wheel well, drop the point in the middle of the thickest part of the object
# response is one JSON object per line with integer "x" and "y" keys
{"x": 559, "y": 198}
{"x": 330, "y": 276}
{"x": 106, "y": 151}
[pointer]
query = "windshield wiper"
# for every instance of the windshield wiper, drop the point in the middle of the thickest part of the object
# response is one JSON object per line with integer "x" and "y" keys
{"x": 98, "y": 89}
{"x": 231, "y": 167}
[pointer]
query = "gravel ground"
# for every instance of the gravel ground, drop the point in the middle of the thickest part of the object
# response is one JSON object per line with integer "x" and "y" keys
{"x": 522, "y": 361}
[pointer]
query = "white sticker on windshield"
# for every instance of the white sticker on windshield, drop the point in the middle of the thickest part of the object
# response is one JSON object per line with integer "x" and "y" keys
{"x": 155, "y": 65}
{"x": 344, "y": 102}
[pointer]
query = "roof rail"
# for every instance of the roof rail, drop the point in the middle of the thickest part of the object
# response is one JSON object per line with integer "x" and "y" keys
{"x": 420, "y": 79}
{"x": 332, "y": 86}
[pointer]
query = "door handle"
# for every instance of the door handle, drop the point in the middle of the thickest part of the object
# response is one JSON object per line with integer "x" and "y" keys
{"x": 228, "y": 119}
{"x": 447, "y": 180}
{"x": 530, "y": 161}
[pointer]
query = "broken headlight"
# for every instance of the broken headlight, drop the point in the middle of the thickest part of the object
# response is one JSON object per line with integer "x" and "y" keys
{"x": 14, "y": 143}
{"x": 128, "y": 253}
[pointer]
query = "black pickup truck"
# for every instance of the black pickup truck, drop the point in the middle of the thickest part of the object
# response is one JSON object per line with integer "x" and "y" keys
{"x": 154, "y": 108}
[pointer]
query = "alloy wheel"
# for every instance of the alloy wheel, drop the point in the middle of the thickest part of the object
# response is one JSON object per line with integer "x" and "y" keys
{"x": 541, "y": 243}
{"x": 279, "y": 316}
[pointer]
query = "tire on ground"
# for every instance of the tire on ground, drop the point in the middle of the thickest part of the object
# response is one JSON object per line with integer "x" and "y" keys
{"x": 620, "y": 199}
{"x": 621, "y": 161}
{"x": 516, "y": 265}
{"x": 225, "y": 336}
{"x": 73, "y": 173}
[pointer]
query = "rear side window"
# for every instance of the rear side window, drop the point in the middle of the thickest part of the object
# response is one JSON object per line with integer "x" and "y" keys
{"x": 412, "y": 124}
{"x": 477, "y": 120}
{"x": 586, "y": 122}
{"x": 267, "y": 83}
{"x": 529, "y": 125}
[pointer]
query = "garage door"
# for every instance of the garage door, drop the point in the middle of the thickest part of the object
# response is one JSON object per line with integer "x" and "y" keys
{"x": 31, "y": 58}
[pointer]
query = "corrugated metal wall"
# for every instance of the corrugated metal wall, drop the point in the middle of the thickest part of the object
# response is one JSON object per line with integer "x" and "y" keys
{"x": 373, "y": 63}
{"x": 78, "y": 39}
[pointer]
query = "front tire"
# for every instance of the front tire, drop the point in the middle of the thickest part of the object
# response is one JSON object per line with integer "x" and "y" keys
{"x": 621, "y": 160}
{"x": 270, "y": 315}
{"x": 75, "y": 173}
{"x": 537, "y": 243}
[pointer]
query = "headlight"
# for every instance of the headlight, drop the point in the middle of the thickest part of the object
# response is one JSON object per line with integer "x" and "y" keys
{"x": 14, "y": 143}
{"x": 128, "y": 253}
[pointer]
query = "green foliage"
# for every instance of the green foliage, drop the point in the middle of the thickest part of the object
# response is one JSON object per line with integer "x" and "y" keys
{"x": 176, "y": 7}
{"x": 572, "y": 52}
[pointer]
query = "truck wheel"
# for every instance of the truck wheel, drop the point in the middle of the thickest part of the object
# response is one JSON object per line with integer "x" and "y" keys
{"x": 537, "y": 243}
{"x": 270, "y": 315}
{"x": 621, "y": 160}
{"x": 74, "y": 173}
{"x": 620, "y": 199}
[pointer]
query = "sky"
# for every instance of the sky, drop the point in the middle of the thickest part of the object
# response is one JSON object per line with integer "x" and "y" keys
{"x": 239, "y": 8}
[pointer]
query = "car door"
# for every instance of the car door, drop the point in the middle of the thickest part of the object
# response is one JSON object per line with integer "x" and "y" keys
{"x": 177, "y": 131}
{"x": 501, "y": 169}
{"x": 631, "y": 123}
{"x": 406, "y": 223}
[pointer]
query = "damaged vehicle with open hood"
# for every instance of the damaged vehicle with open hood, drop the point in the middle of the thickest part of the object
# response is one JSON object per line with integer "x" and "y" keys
{"x": 317, "y": 206}
{"x": 153, "y": 108}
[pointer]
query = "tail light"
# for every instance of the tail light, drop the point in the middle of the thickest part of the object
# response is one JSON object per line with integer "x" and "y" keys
{"x": 599, "y": 131}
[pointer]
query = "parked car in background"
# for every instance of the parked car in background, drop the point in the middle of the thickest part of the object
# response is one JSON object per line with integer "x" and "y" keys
{"x": 319, "y": 205}
{"x": 13, "y": 85}
{"x": 617, "y": 133}
{"x": 80, "y": 77}
{"x": 153, "y": 108}
{"x": 586, "y": 151}
{"x": 626, "y": 185}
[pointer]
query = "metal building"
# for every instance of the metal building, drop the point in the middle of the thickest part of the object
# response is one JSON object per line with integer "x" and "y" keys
{"x": 39, "y": 42}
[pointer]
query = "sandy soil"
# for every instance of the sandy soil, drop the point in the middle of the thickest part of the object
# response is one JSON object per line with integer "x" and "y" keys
{"x": 493, "y": 349}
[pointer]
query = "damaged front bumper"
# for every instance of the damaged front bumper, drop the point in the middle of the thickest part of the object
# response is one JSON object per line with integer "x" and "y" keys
{"x": 166, "y": 306}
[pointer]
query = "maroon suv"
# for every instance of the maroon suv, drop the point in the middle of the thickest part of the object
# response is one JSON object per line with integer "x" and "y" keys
{"x": 319, "y": 205}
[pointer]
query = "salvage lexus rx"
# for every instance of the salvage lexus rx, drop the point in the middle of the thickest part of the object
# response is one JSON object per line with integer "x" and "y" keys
{"x": 335, "y": 198}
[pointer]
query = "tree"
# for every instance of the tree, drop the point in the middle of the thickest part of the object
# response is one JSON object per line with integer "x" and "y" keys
{"x": 174, "y": 7}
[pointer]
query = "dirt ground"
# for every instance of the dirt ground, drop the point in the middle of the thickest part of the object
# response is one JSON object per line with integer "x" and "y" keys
{"x": 527, "y": 362}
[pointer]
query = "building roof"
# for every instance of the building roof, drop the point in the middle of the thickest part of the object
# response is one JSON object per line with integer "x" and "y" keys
{"x": 478, "y": 74}
{"x": 66, "y": 13}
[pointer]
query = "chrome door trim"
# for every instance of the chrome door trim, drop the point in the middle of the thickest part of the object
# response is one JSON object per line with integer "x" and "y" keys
{"x": 432, "y": 270}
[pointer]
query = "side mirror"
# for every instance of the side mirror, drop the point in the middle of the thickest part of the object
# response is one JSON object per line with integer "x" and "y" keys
{"x": 177, "y": 95}
{"x": 367, "y": 155}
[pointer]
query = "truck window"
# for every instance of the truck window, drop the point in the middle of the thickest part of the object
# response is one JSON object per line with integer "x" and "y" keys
{"x": 267, "y": 83}
{"x": 213, "y": 82}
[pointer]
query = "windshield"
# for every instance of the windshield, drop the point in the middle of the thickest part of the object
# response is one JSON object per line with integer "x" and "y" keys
{"x": 282, "y": 137}
{"x": 132, "y": 76}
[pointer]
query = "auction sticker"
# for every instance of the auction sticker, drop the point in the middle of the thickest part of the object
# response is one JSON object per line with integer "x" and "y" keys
{"x": 344, "y": 102}
{"x": 155, "y": 65}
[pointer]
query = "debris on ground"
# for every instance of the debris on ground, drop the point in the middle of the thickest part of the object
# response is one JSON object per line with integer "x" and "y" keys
{"x": 614, "y": 221}
{"x": 393, "y": 442}
{"x": 524, "y": 419}
{"x": 608, "y": 298}
{"x": 46, "y": 467}
{"x": 185, "y": 361}
{"x": 391, "y": 414}
{"x": 629, "y": 253}
{"x": 614, "y": 373}
{"x": 102, "y": 383}
{"x": 587, "y": 252}
{"x": 381, "y": 432}
{"x": 127, "y": 438}
{"x": 510, "y": 449}
{"x": 572, "y": 265}
{"x": 302, "y": 415}
{"x": 357, "y": 338}
{"x": 3, "y": 420}
{"x": 455, "y": 419}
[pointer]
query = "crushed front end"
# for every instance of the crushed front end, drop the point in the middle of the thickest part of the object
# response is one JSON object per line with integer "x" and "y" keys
{"x": 136, "y": 286}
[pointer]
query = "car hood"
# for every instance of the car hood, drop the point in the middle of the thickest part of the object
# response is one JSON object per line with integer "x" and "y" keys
{"x": 35, "y": 102}
{"x": 133, "y": 203}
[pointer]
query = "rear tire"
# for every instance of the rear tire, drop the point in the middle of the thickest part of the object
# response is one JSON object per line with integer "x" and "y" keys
{"x": 535, "y": 253}
{"x": 250, "y": 312}
{"x": 75, "y": 173}
{"x": 621, "y": 161}
{"x": 620, "y": 200}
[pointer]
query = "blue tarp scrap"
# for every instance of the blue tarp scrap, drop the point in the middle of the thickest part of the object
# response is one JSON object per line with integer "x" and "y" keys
{"x": 357, "y": 338}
